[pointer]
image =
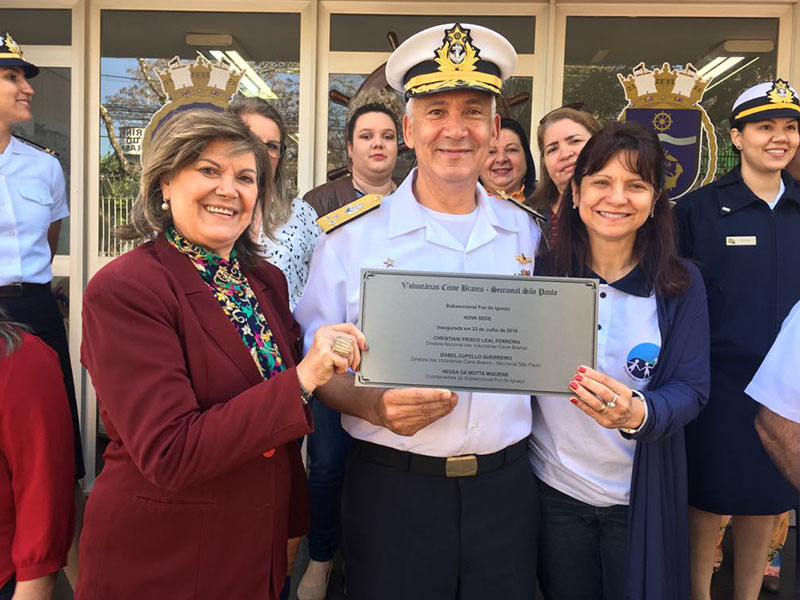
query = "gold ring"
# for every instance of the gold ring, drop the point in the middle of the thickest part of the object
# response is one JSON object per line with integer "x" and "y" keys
{"x": 342, "y": 346}
{"x": 613, "y": 402}
{"x": 602, "y": 410}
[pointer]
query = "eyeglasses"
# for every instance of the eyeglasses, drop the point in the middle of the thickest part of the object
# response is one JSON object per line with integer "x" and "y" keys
{"x": 580, "y": 106}
{"x": 275, "y": 149}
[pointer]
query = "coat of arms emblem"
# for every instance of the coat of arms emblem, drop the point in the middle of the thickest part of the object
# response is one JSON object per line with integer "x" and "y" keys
{"x": 667, "y": 101}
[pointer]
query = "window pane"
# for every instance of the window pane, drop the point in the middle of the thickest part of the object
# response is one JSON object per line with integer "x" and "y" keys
{"x": 38, "y": 26}
{"x": 597, "y": 48}
{"x": 131, "y": 91}
{"x": 520, "y": 112}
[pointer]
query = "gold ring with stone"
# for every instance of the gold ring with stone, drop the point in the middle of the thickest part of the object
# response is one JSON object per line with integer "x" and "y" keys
{"x": 342, "y": 346}
{"x": 602, "y": 410}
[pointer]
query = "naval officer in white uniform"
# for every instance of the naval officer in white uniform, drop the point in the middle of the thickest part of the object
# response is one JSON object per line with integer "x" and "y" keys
{"x": 33, "y": 202}
{"x": 409, "y": 530}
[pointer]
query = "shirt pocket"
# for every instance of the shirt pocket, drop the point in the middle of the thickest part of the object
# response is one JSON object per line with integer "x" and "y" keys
{"x": 36, "y": 203}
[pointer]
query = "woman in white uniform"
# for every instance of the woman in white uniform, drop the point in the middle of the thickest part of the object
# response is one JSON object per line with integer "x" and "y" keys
{"x": 610, "y": 457}
{"x": 33, "y": 202}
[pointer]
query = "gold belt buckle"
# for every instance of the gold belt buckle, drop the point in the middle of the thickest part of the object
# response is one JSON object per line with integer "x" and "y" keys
{"x": 462, "y": 466}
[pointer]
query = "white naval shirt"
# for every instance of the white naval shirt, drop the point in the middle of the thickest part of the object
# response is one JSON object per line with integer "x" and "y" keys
{"x": 32, "y": 196}
{"x": 568, "y": 450}
{"x": 400, "y": 235}
{"x": 775, "y": 384}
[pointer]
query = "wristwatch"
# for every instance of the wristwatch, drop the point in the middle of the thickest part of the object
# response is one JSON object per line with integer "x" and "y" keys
{"x": 639, "y": 395}
{"x": 305, "y": 395}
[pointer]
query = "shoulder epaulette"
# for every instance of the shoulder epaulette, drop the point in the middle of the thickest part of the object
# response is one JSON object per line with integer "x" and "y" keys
{"x": 349, "y": 212}
{"x": 37, "y": 146}
{"x": 534, "y": 213}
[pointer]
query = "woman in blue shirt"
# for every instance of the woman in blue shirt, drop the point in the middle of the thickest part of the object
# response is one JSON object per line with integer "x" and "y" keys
{"x": 743, "y": 231}
{"x": 611, "y": 464}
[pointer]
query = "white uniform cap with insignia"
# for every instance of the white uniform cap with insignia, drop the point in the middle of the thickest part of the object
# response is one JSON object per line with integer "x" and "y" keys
{"x": 766, "y": 100}
{"x": 451, "y": 56}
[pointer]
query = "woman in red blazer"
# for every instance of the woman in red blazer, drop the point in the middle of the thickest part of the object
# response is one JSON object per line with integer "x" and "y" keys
{"x": 193, "y": 353}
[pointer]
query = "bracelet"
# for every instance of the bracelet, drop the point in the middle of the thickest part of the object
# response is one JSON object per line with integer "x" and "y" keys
{"x": 641, "y": 397}
{"x": 305, "y": 395}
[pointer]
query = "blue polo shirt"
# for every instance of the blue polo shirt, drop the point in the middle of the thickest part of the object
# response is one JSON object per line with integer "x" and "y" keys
{"x": 32, "y": 196}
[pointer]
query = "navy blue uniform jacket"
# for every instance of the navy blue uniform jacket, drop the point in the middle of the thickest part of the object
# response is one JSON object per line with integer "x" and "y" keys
{"x": 750, "y": 259}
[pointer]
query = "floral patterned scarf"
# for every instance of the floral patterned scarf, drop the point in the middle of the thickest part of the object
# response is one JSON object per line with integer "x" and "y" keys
{"x": 231, "y": 289}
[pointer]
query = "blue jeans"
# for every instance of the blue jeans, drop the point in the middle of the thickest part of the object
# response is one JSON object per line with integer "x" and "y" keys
{"x": 328, "y": 447}
{"x": 581, "y": 548}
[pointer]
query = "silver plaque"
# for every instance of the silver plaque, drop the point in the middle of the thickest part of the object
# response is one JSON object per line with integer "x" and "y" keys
{"x": 489, "y": 333}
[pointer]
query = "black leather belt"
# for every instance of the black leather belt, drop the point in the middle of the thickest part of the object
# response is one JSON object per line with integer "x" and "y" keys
{"x": 17, "y": 290}
{"x": 452, "y": 466}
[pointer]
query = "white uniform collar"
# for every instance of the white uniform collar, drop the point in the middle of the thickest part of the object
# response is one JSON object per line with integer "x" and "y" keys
{"x": 406, "y": 214}
{"x": 19, "y": 147}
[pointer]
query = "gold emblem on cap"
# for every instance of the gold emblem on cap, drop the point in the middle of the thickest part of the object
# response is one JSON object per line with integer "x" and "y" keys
{"x": 456, "y": 52}
{"x": 13, "y": 48}
{"x": 780, "y": 93}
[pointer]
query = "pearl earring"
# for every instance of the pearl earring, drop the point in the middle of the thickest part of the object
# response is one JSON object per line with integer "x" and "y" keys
{"x": 165, "y": 205}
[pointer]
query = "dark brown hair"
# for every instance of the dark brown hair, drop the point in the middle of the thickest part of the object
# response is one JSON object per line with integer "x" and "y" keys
{"x": 654, "y": 248}
{"x": 177, "y": 145}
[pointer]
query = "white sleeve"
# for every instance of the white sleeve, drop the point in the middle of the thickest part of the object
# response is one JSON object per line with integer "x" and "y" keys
{"x": 324, "y": 299}
{"x": 58, "y": 191}
{"x": 775, "y": 384}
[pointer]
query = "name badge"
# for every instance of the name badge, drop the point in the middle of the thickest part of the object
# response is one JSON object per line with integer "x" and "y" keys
{"x": 740, "y": 240}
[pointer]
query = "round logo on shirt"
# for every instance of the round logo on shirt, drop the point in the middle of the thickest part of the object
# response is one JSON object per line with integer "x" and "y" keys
{"x": 642, "y": 360}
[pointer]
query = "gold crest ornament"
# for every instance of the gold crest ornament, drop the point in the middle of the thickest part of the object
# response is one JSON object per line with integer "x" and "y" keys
{"x": 12, "y": 46}
{"x": 195, "y": 85}
{"x": 666, "y": 100}
{"x": 452, "y": 56}
{"x": 781, "y": 93}
{"x": 456, "y": 53}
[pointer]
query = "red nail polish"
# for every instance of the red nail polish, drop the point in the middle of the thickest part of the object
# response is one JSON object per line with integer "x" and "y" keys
{"x": 578, "y": 377}
{"x": 573, "y": 400}
{"x": 581, "y": 369}
{"x": 573, "y": 385}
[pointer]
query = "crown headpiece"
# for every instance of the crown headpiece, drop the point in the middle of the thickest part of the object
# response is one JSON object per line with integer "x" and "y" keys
{"x": 664, "y": 85}
{"x": 198, "y": 84}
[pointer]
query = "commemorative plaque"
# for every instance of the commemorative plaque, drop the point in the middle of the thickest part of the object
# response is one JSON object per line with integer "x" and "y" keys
{"x": 490, "y": 333}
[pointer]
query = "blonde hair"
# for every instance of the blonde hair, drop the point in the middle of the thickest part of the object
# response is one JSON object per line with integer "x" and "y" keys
{"x": 176, "y": 145}
{"x": 281, "y": 208}
{"x": 546, "y": 192}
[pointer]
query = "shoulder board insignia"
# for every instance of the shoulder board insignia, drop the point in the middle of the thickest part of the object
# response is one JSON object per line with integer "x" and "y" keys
{"x": 534, "y": 213}
{"x": 37, "y": 146}
{"x": 349, "y": 212}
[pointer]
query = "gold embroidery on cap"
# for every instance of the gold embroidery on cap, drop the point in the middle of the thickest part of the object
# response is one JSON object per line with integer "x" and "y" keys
{"x": 457, "y": 52}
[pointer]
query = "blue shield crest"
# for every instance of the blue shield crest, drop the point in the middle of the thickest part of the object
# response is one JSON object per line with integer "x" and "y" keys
{"x": 680, "y": 133}
{"x": 667, "y": 101}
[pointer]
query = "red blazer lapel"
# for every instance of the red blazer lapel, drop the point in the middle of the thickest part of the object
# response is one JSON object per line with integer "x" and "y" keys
{"x": 209, "y": 313}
